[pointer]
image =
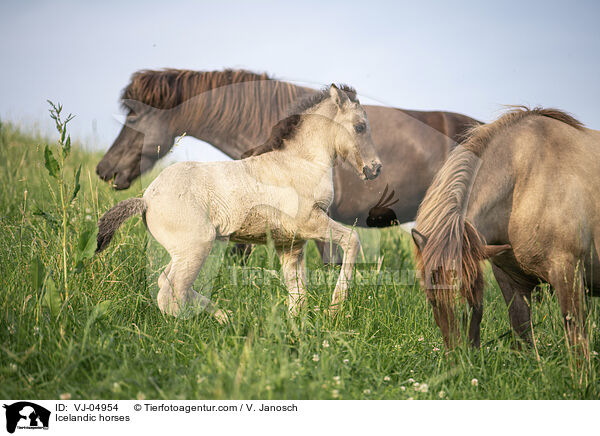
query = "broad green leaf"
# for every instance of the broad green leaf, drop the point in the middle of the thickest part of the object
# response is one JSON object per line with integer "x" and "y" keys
{"x": 100, "y": 310}
{"x": 37, "y": 272}
{"x": 67, "y": 145}
{"x": 77, "y": 186}
{"x": 86, "y": 247}
{"x": 51, "y": 163}
{"x": 52, "y": 299}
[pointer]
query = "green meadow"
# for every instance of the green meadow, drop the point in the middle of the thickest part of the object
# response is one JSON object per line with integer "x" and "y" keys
{"x": 80, "y": 326}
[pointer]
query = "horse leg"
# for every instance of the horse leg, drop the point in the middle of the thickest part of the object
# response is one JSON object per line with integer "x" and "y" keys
{"x": 163, "y": 276}
{"x": 292, "y": 263}
{"x": 476, "y": 304}
{"x": 329, "y": 252}
{"x": 517, "y": 296}
{"x": 567, "y": 279}
{"x": 176, "y": 291}
{"x": 324, "y": 228}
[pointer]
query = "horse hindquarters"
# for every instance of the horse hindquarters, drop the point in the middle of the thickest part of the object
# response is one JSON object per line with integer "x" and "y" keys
{"x": 184, "y": 230}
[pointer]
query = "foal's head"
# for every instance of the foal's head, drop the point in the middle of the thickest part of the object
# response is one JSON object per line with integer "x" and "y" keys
{"x": 352, "y": 140}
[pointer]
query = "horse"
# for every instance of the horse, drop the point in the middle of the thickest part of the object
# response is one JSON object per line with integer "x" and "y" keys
{"x": 521, "y": 192}
{"x": 234, "y": 110}
{"x": 284, "y": 193}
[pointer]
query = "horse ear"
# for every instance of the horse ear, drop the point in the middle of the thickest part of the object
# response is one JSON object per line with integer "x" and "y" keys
{"x": 339, "y": 97}
{"x": 419, "y": 239}
{"x": 495, "y": 250}
{"x": 137, "y": 107}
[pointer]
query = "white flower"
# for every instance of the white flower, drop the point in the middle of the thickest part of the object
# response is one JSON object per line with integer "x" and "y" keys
{"x": 65, "y": 396}
{"x": 367, "y": 391}
{"x": 140, "y": 396}
{"x": 436, "y": 349}
{"x": 370, "y": 297}
{"x": 475, "y": 382}
{"x": 11, "y": 329}
{"x": 335, "y": 393}
{"x": 410, "y": 398}
{"x": 402, "y": 388}
{"x": 442, "y": 394}
{"x": 387, "y": 378}
{"x": 421, "y": 339}
{"x": 411, "y": 380}
{"x": 595, "y": 353}
{"x": 13, "y": 367}
{"x": 422, "y": 388}
{"x": 315, "y": 357}
{"x": 348, "y": 315}
{"x": 337, "y": 379}
{"x": 116, "y": 387}
{"x": 346, "y": 361}
{"x": 88, "y": 217}
{"x": 325, "y": 343}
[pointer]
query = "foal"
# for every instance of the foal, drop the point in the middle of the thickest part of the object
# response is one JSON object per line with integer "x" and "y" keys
{"x": 285, "y": 192}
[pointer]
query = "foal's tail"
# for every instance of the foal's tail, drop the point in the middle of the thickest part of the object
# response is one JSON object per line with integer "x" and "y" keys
{"x": 111, "y": 220}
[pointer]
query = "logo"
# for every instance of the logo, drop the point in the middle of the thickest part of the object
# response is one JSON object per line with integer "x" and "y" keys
{"x": 26, "y": 415}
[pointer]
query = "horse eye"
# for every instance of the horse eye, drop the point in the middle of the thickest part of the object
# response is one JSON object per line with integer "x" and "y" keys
{"x": 359, "y": 128}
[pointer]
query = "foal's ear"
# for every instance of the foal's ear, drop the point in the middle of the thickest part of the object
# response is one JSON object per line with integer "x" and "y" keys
{"x": 495, "y": 250}
{"x": 419, "y": 239}
{"x": 339, "y": 97}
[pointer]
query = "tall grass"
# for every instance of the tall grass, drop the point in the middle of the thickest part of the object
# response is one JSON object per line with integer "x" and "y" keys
{"x": 106, "y": 338}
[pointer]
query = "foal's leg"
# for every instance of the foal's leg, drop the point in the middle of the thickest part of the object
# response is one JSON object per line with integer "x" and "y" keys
{"x": 163, "y": 276}
{"x": 176, "y": 291}
{"x": 292, "y": 263}
{"x": 323, "y": 228}
{"x": 517, "y": 296}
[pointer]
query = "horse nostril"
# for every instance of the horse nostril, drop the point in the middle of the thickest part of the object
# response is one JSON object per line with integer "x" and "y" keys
{"x": 377, "y": 169}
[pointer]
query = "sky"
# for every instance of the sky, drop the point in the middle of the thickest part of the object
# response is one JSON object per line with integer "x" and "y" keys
{"x": 468, "y": 57}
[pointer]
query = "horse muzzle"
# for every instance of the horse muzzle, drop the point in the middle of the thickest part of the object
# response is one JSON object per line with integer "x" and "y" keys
{"x": 371, "y": 171}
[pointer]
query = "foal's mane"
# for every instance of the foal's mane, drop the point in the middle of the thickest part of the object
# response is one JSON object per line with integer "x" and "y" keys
{"x": 173, "y": 88}
{"x": 441, "y": 217}
{"x": 287, "y": 127}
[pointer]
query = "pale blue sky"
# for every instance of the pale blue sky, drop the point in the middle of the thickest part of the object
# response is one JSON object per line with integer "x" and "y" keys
{"x": 469, "y": 57}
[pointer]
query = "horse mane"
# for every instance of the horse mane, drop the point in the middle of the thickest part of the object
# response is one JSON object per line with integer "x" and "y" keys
{"x": 287, "y": 127}
{"x": 173, "y": 88}
{"x": 169, "y": 87}
{"x": 453, "y": 243}
{"x": 477, "y": 137}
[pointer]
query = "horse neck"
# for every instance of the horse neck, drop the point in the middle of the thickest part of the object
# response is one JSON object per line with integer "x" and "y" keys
{"x": 236, "y": 117}
{"x": 314, "y": 143}
{"x": 490, "y": 197}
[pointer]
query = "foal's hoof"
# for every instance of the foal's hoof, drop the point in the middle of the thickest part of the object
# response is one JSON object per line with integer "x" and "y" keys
{"x": 222, "y": 316}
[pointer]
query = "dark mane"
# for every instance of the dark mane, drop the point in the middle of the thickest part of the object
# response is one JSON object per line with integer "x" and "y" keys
{"x": 168, "y": 88}
{"x": 215, "y": 98}
{"x": 286, "y": 128}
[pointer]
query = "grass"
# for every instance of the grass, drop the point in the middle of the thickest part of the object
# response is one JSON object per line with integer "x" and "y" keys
{"x": 107, "y": 338}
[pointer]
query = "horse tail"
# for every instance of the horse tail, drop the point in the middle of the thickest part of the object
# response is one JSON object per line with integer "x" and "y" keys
{"x": 112, "y": 220}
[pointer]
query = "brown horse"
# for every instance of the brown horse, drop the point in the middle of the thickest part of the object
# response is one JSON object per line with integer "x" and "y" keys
{"x": 528, "y": 185}
{"x": 234, "y": 110}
